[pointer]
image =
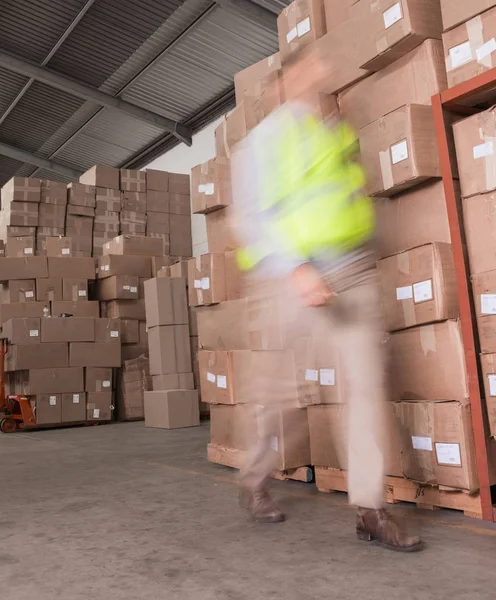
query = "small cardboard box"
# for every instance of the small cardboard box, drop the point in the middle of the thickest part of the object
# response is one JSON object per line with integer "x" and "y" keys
{"x": 71, "y": 267}
{"x": 79, "y": 194}
{"x": 479, "y": 217}
{"x": 118, "y": 287}
{"x": 134, "y": 245}
{"x": 99, "y": 406}
{"x": 220, "y": 233}
{"x": 134, "y": 202}
{"x": 21, "y": 189}
{"x": 98, "y": 379}
{"x": 23, "y": 290}
{"x": 224, "y": 327}
{"x": 111, "y": 265}
{"x": 178, "y": 183}
{"x": 75, "y": 290}
{"x": 133, "y": 181}
{"x": 419, "y": 286}
{"x": 170, "y": 350}
{"x": 53, "y": 192}
{"x": 157, "y": 181}
{"x": 207, "y": 280}
{"x": 101, "y": 176}
{"x": 173, "y": 381}
{"x": 59, "y": 247}
{"x": 51, "y": 381}
{"x": 49, "y": 289}
{"x": 484, "y": 290}
{"x": 108, "y": 330}
{"x": 225, "y": 376}
{"x": 230, "y": 132}
{"x": 458, "y": 11}
{"x": 74, "y": 407}
{"x": 76, "y": 309}
{"x": 47, "y": 409}
{"x": 157, "y": 202}
{"x": 166, "y": 302}
{"x": 157, "y": 222}
{"x": 19, "y": 247}
{"x": 95, "y": 354}
{"x": 70, "y": 329}
{"x": 211, "y": 186}
{"x": 172, "y": 409}
{"x": 22, "y": 330}
{"x": 300, "y": 24}
{"x": 33, "y": 356}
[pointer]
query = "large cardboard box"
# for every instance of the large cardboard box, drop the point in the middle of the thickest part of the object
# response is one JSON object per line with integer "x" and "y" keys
{"x": 95, "y": 354}
{"x": 101, "y": 176}
{"x": 231, "y": 426}
{"x": 412, "y": 79}
{"x": 75, "y": 309}
{"x": 181, "y": 243}
{"x": 438, "y": 444}
{"x": 58, "y": 247}
{"x": 225, "y": 376}
{"x": 484, "y": 290}
{"x": 246, "y": 81}
{"x": 173, "y": 381}
{"x": 179, "y": 183}
{"x": 99, "y": 406}
{"x": 230, "y": 132}
{"x": 134, "y": 245}
{"x": 224, "y": 327}
{"x": 118, "y": 287}
{"x": 49, "y": 289}
{"x": 393, "y": 30}
{"x": 73, "y": 407}
{"x": 211, "y": 186}
{"x": 157, "y": 180}
{"x": 33, "y": 356}
{"x": 419, "y": 286}
{"x": 414, "y": 218}
{"x": 400, "y": 151}
{"x": 110, "y": 265}
{"x": 124, "y": 309}
{"x": 52, "y": 215}
{"x": 23, "y": 290}
{"x": 20, "y": 214}
{"x": 158, "y": 223}
{"x": 166, "y": 302}
{"x": 98, "y": 379}
{"x": 475, "y": 150}
{"x": 300, "y": 24}
{"x": 108, "y": 200}
{"x": 21, "y": 310}
{"x": 479, "y": 216}
{"x": 30, "y": 267}
{"x": 172, "y": 409}
{"x": 489, "y": 374}
{"x": 267, "y": 97}
{"x": 22, "y": 331}
{"x": 70, "y": 329}
{"x": 458, "y": 11}
{"x": 18, "y": 247}
{"x": 170, "y": 350}
{"x": 71, "y": 267}
{"x": 207, "y": 280}
{"x": 428, "y": 363}
{"x": 47, "y": 409}
{"x": 133, "y": 202}
{"x": 234, "y": 276}
{"x": 51, "y": 381}
{"x": 220, "y": 233}
{"x": 79, "y": 194}
{"x": 21, "y": 189}
{"x": 133, "y": 181}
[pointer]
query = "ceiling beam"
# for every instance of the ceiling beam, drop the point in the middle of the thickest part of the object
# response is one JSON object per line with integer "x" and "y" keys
{"x": 38, "y": 161}
{"x": 76, "y": 88}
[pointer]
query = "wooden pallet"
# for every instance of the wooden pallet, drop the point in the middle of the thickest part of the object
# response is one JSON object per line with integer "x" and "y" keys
{"x": 398, "y": 489}
{"x": 230, "y": 457}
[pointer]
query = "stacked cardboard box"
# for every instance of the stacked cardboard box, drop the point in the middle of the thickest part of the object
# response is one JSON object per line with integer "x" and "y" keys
{"x": 133, "y": 381}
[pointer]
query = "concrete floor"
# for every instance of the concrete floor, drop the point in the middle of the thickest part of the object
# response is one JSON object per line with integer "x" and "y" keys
{"x": 123, "y": 513}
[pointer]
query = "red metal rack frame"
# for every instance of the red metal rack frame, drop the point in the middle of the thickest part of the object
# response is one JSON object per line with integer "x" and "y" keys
{"x": 462, "y": 100}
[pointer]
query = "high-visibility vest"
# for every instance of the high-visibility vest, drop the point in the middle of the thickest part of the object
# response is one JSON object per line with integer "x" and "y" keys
{"x": 315, "y": 193}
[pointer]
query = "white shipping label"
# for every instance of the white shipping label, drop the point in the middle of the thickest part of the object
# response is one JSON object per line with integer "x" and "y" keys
{"x": 96, "y": 413}
{"x": 82, "y": 293}
{"x": 34, "y": 333}
{"x": 66, "y": 251}
{"x": 197, "y": 284}
{"x": 303, "y": 27}
{"x": 311, "y": 375}
{"x": 29, "y": 294}
{"x": 482, "y": 150}
{"x": 327, "y": 377}
{"x": 211, "y": 377}
{"x": 222, "y": 382}
{"x": 209, "y": 189}
{"x": 488, "y": 304}
{"x": 422, "y": 443}
{"x": 126, "y": 287}
{"x": 75, "y": 398}
{"x": 106, "y": 268}
{"x": 28, "y": 251}
{"x": 399, "y": 152}
{"x": 291, "y": 35}
{"x": 106, "y": 383}
{"x": 205, "y": 283}
{"x": 486, "y": 49}
{"x": 460, "y": 55}
{"x": 114, "y": 334}
{"x": 392, "y": 15}
{"x": 422, "y": 291}
{"x": 404, "y": 293}
{"x": 492, "y": 385}
{"x": 201, "y": 188}
{"x": 53, "y": 400}
{"x": 133, "y": 289}
{"x": 448, "y": 454}
{"x": 274, "y": 443}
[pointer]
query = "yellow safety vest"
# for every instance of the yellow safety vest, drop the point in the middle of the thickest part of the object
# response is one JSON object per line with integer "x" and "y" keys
{"x": 315, "y": 194}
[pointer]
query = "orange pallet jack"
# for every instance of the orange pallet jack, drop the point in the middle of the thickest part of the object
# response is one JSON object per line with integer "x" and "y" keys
{"x": 15, "y": 411}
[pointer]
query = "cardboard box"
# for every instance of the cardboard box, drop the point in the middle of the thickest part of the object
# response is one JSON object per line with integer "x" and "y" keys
{"x": 224, "y": 327}
{"x": 76, "y": 309}
{"x": 458, "y": 11}
{"x": 133, "y": 181}
{"x": 172, "y": 409}
{"x": 402, "y": 223}
{"x": 231, "y": 426}
{"x": 157, "y": 223}
{"x": 220, "y": 233}
{"x": 21, "y": 189}
{"x": 70, "y": 329}
{"x": 47, "y": 409}
{"x": 111, "y": 265}
{"x": 129, "y": 331}
{"x": 234, "y": 277}
{"x": 300, "y": 24}
{"x": 400, "y": 151}
{"x": 59, "y": 247}
{"x": 108, "y": 330}
{"x": 22, "y": 310}
{"x": 419, "y": 286}
{"x": 99, "y": 406}
{"x": 170, "y": 351}
{"x": 95, "y": 354}
{"x": 225, "y": 376}
{"x": 100, "y": 176}
{"x": 23, "y": 290}
{"x": 181, "y": 243}
{"x": 475, "y": 152}
{"x": 211, "y": 186}
{"x": 98, "y": 379}
{"x": 484, "y": 290}
{"x": 33, "y": 356}
{"x": 79, "y": 194}
{"x": 246, "y": 81}
{"x": 134, "y": 351}
{"x": 427, "y": 363}
{"x": 133, "y": 202}
{"x": 207, "y": 280}
{"x": 51, "y": 381}
{"x": 119, "y": 287}
{"x": 73, "y": 407}
{"x": 19, "y": 247}
{"x": 30, "y": 267}
{"x": 157, "y": 180}
{"x": 51, "y": 215}
{"x": 438, "y": 444}
{"x": 49, "y": 289}
{"x": 75, "y": 290}
{"x": 80, "y": 211}
{"x": 166, "y": 302}
{"x": 232, "y": 130}
{"x": 22, "y": 331}
{"x": 179, "y": 269}
{"x": 15, "y": 231}
{"x": 480, "y": 227}
{"x": 157, "y": 201}
{"x": 178, "y": 183}
{"x": 489, "y": 375}
{"x": 71, "y": 268}
{"x": 268, "y": 96}
{"x": 337, "y": 12}
{"x": 158, "y": 262}
{"x": 165, "y": 237}
{"x": 174, "y": 381}
{"x": 108, "y": 200}
{"x": 394, "y": 30}
{"x": 134, "y": 245}
{"x": 412, "y": 79}
{"x": 124, "y": 309}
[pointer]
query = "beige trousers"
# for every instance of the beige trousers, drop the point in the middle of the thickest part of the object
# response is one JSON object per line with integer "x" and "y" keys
{"x": 353, "y": 319}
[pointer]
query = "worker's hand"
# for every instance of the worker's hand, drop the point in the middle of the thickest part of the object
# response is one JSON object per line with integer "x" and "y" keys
{"x": 310, "y": 286}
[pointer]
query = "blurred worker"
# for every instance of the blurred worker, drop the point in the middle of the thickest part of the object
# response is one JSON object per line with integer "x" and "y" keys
{"x": 307, "y": 231}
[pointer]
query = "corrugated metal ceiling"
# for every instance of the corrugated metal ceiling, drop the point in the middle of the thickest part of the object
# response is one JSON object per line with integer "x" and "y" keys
{"x": 175, "y": 58}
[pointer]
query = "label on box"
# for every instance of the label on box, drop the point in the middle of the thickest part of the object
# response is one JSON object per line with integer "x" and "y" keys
{"x": 486, "y": 49}
{"x": 222, "y": 381}
{"x": 29, "y": 294}
{"x": 492, "y": 385}
{"x": 488, "y": 304}
{"x": 448, "y": 454}
{"x": 75, "y": 398}
{"x": 114, "y": 334}
{"x": 198, "y": 284}
{"x": 311, "y": 375}
{"x": 404, "y": 293}
{"x": 399, "y": 152}
{"x": 205, "y": 283}
{"x": 422, "y": 291}
{"x": 34, "y": 333}
{"x": 303, "y": 27}
{"x": 290, "y": 36}
{"x": 96, "y": 413}
{"x": 126, "y": 287}
{"x": 211, "y": 377}
{"x": 66, "y": 251}
{"x": 274, "y": 443}
{"x": 201, "y": 188}
{"x": 82, "y": 293}
{"x": 106, "y": 383}
{"x": 209, "y": 189}
{"x": 105, "y": 267}
{"x": 460, "y": 54}
{"x": 133, "y": 289}
{"x": 486, "y": 149}
{"x": 392, "y": 15}
{"x": 422, "y": 443}
{"x": 28, "y": 251}
{"x": 53, "y": 400}
{"x": 327, "y": 377}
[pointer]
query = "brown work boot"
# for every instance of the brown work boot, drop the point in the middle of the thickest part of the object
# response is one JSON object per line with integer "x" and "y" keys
{"x": 380, "y": 526}
{"x": 260, "y": 505}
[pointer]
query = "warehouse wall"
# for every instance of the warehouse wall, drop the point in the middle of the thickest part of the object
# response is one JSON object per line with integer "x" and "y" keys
{"x": 182, "y": 159}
